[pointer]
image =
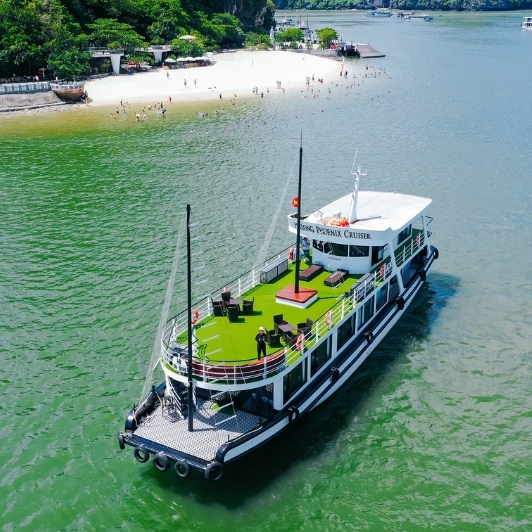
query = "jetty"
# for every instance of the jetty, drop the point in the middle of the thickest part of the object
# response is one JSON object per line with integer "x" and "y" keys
{"x": 364, "y": 51}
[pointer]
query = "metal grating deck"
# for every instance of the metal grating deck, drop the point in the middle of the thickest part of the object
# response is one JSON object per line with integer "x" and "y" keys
{"x": 207, "y": 436}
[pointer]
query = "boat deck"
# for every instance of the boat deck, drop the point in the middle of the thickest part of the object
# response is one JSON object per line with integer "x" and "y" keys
{"x": 220, "y": 340}
{"x": 212, "y": 428}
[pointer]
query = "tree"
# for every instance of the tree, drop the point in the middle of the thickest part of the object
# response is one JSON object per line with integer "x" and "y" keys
{"x": 108, "y": 31}
{"x": 289, "y": 35}
{"x": 188, "y": 48}
{"x": 327, "y": 35}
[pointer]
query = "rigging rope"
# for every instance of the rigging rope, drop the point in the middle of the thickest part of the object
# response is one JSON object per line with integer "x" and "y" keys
{"x": 156, "y": 353}
{"x": 261, "y": 257}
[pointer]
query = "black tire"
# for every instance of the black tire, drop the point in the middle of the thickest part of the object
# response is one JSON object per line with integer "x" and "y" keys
{"x": 161, "y": 462}
{"x": 423, "y": 275}
{"x": 335, "y": 375}
{"x": 141, "y": 454}
{"x": 436, "y": 253}
{"x": 369, "y": 336}
{"x": 121, "y": 443}
{"x": 214, "y": 471}
{"x": 400, "y": 302}
{"x": 182, "y": 469}
{"x": 293, "y": 414}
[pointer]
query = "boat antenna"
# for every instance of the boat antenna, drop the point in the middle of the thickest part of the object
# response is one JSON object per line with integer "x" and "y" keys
{"x": 354, "y": 196}
{"x": 189, "y": 324}
{"x": 296, "y": 284}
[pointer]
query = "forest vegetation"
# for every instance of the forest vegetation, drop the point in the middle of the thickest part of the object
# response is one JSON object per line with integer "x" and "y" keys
{"x": 57, "y": 34}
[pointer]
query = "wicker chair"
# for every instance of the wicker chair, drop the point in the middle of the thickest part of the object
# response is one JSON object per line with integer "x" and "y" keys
{"x": 273, "y": 339}
{"x": 304, "y": 328}
{"x": 218, "y": 308}
{"x": 232, "y": 311}
{"x": 278, "y": 320}
{"x": 247, "y": 307}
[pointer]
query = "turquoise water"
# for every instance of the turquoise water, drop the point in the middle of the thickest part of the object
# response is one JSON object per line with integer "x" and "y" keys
{"x": 434, "y": 430}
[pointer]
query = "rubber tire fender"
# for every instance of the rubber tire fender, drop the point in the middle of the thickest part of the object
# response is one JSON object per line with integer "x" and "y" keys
{"x": 436, "y": 253}
{"x": 141, "y": 454}
{"x": 293, "y": 414}
{"x": 368, "y": 335}
{"x": 121, "y": 443}
{"x": 423, "y": 275}
{"x": 161, "y": 462}
{"x": 214, "y": 471}
{"x": 400, "y": 302}
{"x": 182, "y": 468}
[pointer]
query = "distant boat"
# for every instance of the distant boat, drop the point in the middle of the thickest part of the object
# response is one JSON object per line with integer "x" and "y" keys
{"x": 69, "y": 91}
{"x": 415, "y": 16}
{"x": 527, "y": 23}
{"x": 379, "y": 13}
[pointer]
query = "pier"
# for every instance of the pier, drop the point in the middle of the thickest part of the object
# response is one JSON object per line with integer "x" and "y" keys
{"x": 364, "y": 51}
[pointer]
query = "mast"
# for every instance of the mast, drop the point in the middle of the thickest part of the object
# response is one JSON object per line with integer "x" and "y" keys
{"x": 189, "y": 323}
{"x": 296, "y": 284}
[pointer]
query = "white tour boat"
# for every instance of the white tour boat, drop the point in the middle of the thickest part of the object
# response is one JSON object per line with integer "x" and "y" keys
{"x": 416, "y": 16}
{"x": 371, "y": 252}
{"x": 379, "y": 13}
{"x": 527, "y": 23}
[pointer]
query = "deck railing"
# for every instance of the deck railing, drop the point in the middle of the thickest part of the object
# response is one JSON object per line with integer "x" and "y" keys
{"x": 409, "y": 248}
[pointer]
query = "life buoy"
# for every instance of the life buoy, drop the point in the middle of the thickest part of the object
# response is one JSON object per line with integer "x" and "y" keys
{"x": 121, "y": 443}
{"x": 400, "y": 302}
{"x": 328, "y": 318}
{"x": 214, "y": 471}
{"x": 436, "y": 254}
{"x": 299, "y": 342}
{"x": 291, "y": 254}
{"x": 418, "y": 239}
{"x": 141, "y": 454}
{"x": 182, "y": 468}
{"x": 368, "y": 336}
{"x": 423, "y": 275}
{"x": 194, "y": 316}
{"x": 293, "y": 414}
{"x": 161, "y": 462}
{"x": 382, "y": 270}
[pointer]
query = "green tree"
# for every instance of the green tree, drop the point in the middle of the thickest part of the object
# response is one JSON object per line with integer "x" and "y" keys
{"x": 289, "y": 35}
{"x": 188, "y": 48}
{"x": 110, "y": 32}
{"x": 327, "y": 35}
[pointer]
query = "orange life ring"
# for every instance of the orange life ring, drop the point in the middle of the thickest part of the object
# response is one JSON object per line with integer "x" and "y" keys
{"x": 194, "y": 316}
{"x": 299, "y": 342}
{"x": 328, "y": 318}
{"x": 291, "y": 254}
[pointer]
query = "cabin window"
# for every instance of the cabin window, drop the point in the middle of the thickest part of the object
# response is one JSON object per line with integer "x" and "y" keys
{"x": 404, "y": 234}
{"x": 377, "y": 254}
{"x": 382, "y": 296}
{"x": 320, "y": 355}
{"x": 359, "y": 251}
{"x": 365, "y": 312}
{"x": 340, "y": 250}
{"x": 294, "y": 380}
{"x": 345, "y": 332}
{"x": 318, "y": 244}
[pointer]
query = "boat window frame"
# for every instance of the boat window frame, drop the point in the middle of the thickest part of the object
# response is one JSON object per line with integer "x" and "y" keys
{"x": 341, "y": 338}
{"x": 316, "y": 363}
{"x": 404, "y": 234}
{"x": 379, "y": 300}
{"x": 377, "y": 254}
{"x": 288, "y": 390}
{"x": 352, "y": 247}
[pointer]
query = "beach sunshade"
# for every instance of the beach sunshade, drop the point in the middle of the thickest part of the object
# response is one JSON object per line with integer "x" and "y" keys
{"x": 187, "y": 37}
{"x": 188, "y": 59}
{"x": 170, "y": 60}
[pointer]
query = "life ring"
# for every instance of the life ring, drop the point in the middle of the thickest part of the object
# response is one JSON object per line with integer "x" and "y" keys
{"x": 423, "y": 275}
{"x": 328, "y": 318}
{"x": 293, "y": 414}
{"x": 291, "y": 254}
{"x": 368, "y": 335}
{"x": 400, "y": 302}
{"x": 436, "y": 254}
{"x": 161, "y": 462}
{"x": 194, "y": 316}
{"x": 382, "y": 270}
{"x": 121, "y": 443}
{"x": 214, "y": 471}
{"x": 182, "y": 468}
{"x": 141, "y": 454}
{"x": 299, "y": 342}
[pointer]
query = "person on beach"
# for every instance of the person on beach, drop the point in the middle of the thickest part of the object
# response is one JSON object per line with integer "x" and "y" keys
{"x": 185, "y": 83}
{"x": 170, "y": 98}
{"x": 261, "y": 343}
{"x": 194, "y": 82}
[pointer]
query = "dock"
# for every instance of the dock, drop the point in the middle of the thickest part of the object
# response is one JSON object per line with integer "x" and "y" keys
{"x": 364, "y": 51}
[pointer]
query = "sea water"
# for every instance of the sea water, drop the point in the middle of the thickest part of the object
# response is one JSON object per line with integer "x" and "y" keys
{"x": 434, "y": 429}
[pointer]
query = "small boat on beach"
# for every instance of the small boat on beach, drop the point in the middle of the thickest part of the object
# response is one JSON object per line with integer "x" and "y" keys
{"x": 245, "y": 362}
{"x": 527, "y": 23}
{"x": 69, "y": 91}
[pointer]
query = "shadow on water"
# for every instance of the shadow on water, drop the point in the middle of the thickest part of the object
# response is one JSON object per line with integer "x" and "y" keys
{"x": 321, "y": 428}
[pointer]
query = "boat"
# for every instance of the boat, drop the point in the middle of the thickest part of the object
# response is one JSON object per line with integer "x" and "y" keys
{"x": 222, "y": 397}
{"x": 527, "y": 23}
{"x": 379, "y": 13}
{"x": 415, "y": 16}
{"x": 69, "y": 91}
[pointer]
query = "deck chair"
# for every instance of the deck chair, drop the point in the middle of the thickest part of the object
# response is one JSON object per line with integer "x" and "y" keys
{"x": 218, "y": 308}
{"x": 278, "y": 320}
{"x": 247, "y": 307}
{"x": 232, "y": 311}
{"x": 273, "y": 339}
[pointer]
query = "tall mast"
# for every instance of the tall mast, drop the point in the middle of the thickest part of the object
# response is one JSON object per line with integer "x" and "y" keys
{"x": 296, "y": 289}
{"x": 189, "y": 323}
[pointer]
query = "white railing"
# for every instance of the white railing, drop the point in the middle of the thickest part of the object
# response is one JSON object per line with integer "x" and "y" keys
{"x": 410, "y": 249}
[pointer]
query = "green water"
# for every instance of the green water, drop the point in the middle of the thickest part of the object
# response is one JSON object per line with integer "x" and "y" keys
{"x": 433, "y": 432}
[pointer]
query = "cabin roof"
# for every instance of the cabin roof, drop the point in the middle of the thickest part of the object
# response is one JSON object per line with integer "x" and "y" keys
{"x": 376, "y": 211}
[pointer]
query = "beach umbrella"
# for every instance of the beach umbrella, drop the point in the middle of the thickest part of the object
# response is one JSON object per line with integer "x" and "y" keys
{"x": 187, "y": 37}
{"x": 170, "y": 60}
{"x": 188, "y": 59}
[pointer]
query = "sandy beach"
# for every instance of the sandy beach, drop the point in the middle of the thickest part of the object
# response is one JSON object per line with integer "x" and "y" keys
{"x": 232, "y": 73}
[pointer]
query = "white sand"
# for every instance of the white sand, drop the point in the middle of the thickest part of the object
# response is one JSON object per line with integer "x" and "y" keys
{"x": 233, "y": 73}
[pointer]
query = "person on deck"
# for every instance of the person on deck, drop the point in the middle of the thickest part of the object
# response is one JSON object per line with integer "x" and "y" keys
{"x": 305, "y": 246}
{"x": 261, "y": 343}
